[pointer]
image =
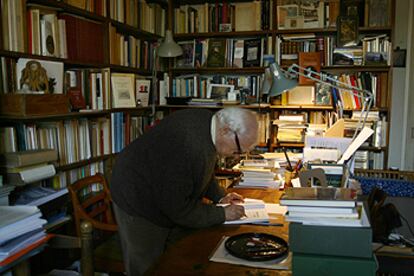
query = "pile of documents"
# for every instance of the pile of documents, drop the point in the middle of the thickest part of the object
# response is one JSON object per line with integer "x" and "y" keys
{"x": 20, "y": 226}
{"x": 324, "y": 206}
{"x": 259, "y": 173}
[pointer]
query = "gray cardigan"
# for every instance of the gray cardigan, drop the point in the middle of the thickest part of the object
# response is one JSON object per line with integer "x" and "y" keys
{"x": 164, "y": 174}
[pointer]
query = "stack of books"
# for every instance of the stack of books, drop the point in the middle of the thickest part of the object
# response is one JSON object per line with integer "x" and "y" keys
{"x": 329, "y": 232}
{"x": 259, "y": 173}
{"x": 20, "y": 227}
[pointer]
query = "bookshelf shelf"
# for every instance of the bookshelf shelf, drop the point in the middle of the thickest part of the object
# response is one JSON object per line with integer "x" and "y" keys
{"x": 61, "y": 6}
{"x": 221, "y": 70}
{"x": 134, "y": 31}
{"x": 305, "y": 107}
{"x": 222, "y": 34}
{"x": 330, "y": 30}
{"x": 83, "y": 163}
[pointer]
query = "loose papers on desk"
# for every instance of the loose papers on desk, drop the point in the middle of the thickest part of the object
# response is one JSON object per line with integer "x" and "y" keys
{"x": 254, "y": 209}
{"x": 20, "y": 226}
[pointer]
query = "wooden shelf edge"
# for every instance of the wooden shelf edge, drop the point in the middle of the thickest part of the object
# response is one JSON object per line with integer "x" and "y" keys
{"x": 217, "y": 70}
{"x": 311, "y": 107}
{"x": 182, "y": 36}
{"x": 82, "y": 163}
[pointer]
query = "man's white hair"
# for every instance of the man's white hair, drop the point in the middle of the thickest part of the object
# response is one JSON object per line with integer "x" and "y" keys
{"x": 237, "y": 119}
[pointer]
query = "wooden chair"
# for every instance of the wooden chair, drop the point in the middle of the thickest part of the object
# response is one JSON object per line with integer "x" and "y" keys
{"x": 91, "y": 202}
{"x": 84, "y": 242}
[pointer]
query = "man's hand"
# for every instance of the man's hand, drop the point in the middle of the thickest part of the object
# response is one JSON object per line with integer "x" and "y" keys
{"x": 233, "y": 212}
{"x": 232, "y": 198}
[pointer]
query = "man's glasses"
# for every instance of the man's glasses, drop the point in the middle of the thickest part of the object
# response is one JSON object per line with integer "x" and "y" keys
{"x": 239, "y": 150}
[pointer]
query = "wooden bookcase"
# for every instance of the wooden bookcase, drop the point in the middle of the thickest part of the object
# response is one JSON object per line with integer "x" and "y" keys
{"x": 197, "y": 28}
{"x": 85, "y": 141}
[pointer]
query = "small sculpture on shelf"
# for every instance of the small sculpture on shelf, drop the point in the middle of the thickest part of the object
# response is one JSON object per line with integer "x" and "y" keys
{"x": 34, "y": 78}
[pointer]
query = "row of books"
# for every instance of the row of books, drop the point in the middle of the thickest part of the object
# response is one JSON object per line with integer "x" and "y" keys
{"x": 376, "y": 83}
{"x": 93, "y": 6}
{"x": 369, "y": 160}
{"x": 201, "y": 86}
{"x": 218, "y": 52}
{"x": 149, "y": 17}
{"x": 223, "y": 17}
{"x": 46, "y": 33}
{"x": 375, "y": 50}
{"x": 320, "y": 14}
{"x": 76, "y": 140}
{"x": 127, "y": 50}
{"x": 51, "y": 34}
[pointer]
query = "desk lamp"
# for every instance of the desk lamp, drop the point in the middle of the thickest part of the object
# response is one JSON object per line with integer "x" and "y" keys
{"x": 168, "y": 49}
{"x": 282, "y": 81}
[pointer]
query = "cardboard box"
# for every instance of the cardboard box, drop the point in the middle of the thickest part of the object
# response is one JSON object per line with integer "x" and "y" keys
{"x": 32, "y": 104}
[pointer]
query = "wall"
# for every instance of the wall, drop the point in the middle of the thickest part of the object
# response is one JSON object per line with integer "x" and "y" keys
{"x": 400, "y": 141}
{"x": 409, "y": 148}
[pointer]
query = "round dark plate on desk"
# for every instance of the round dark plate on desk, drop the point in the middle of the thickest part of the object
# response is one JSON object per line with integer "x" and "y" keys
{"x": 257, "y": 247}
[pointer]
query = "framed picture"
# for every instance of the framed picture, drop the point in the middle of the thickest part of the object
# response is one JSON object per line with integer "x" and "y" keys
{"x": 186, "y": 60}
{"x": 143, "y": 91}
{"x": 219, "y": 91}
{"x": 322, "y": 94}
{"x": 347, "y": 31}
{"x": 285, "y": 12}
{"x": 399, "y": 57}
{"x": 39, "y": 76}
{"x": 123, "y": 92}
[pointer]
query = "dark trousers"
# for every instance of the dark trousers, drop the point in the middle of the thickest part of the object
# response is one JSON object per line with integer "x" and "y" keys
{"x": 142, "y": 241}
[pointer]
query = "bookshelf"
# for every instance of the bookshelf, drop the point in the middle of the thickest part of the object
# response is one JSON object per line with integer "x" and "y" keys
{"x": 92, "y": 41}
{"x": 283, "y": 37}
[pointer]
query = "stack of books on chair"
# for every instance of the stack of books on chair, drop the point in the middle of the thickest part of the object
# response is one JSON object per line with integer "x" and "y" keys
{"x": 329, "y": 232}
{"x": 258, "y": 173}
{"x": 20, "y": 227}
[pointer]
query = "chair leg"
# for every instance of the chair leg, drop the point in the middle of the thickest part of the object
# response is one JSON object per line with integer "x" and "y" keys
{"x": 87, "y": 267}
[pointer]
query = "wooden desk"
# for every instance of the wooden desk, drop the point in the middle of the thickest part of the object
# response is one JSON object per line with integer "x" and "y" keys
{"x": 190, "y": 256}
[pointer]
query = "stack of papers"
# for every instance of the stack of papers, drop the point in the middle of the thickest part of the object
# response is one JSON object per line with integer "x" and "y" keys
{"x": 324, "y": 206}
{"x": 259, "y": 173}
{"x": 20, "y": 226}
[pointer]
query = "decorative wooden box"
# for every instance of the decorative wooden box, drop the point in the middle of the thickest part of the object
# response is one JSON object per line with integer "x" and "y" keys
{"x": 32, "y": 104}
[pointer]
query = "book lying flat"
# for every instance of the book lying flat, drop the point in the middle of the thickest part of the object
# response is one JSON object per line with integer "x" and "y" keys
{"x": 27, "y": 158}
{"x": 360, "y": 221}
{"x": 255, "y": 211}
{"x": 319, "y": 196}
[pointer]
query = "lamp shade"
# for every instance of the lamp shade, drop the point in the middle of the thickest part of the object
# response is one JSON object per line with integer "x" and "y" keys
{"x": 169, "y": 48}
{"x": 280, "y": 82}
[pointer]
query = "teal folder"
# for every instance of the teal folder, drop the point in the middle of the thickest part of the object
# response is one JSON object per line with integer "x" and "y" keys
{"x": 331, "y": 240}
{"x": 321, "y": 265}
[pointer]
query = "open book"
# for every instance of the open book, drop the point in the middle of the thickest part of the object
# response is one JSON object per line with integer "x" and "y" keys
{"x": 255, "y": 210}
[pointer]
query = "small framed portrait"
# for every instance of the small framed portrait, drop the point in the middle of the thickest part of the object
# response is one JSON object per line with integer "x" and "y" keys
{"x": 347, "y": 31}
{"x": 219, "y": 91}
{"x": 399, "y": 57}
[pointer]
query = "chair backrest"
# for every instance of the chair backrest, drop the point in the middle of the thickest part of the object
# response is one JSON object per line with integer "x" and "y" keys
{"x": 91, "y": 202}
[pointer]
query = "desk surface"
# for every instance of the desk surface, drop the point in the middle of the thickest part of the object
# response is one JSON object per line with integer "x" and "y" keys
{"x": 190, "y": 256}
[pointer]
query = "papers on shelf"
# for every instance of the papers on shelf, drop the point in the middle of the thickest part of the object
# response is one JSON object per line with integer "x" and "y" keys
{"x": 20, "y": 226}
{"x": 221, "y": 255}
{"x": 36, "y": 196}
